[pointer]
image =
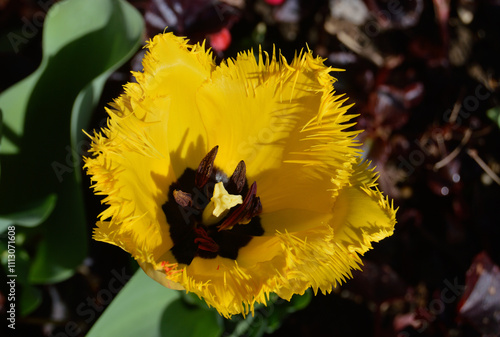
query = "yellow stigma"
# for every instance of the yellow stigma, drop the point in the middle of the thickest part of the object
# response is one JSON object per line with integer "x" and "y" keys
{"x": 220, "y": 204}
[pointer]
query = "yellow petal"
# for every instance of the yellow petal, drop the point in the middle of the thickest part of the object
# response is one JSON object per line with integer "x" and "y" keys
{"x": 264, "y": 109}
{"x": 284, "y": 121}
{"x": 175, "y": 69}
{"x": 362, "y": 214}
{"x": 294, "y": 220}
{"x": 154, "y": 131}
{"x": 300, "y": 249}
{"x": 159, "y": 276}
{"x": 231, "y": 286}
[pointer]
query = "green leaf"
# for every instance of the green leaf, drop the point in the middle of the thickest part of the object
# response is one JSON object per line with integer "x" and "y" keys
{"x": 178, "y": 318}
{"x": 283, "y": 310}
{"x": 122, "y": 49}
{"x": 267, "y": 318}
{"x": 29, "y": 296}
{"x": 299, "y": 302}
{"x": 494, "y": 115}
{"x": 1, "y": 124}
{"x": 44, "y": 114}
{"x": 138, "y": 310}
{"x": 30, "y": 299}
{"x": 35, "y": 213}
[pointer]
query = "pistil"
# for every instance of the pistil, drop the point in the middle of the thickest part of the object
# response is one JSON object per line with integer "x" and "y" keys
{"x": 219, "y": 205}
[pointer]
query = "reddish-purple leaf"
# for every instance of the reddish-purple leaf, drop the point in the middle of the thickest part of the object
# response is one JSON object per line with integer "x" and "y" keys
{"x": 480, "y": 304}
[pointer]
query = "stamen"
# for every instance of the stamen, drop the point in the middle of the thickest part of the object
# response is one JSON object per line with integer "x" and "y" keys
{"x": 238, "y": 179}
{"x": 205, "y": 168}
{"x": 204, "y": 241}
{"x": 170, "y": 268}
{"x": 256, "y": 208}
{"x": 182, "y": 198}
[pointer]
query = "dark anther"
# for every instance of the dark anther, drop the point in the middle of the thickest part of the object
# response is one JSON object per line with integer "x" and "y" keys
{"x": 205, "y": 168}
{"x": 256, "y": 208}
{"x": 238, "y": 179}
{"x": 204, "y": 241}
{"x": 242, "y": 211}
{"x": 182, "y": 198}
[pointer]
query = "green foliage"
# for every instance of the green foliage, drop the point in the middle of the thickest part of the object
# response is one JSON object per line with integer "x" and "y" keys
{"x": 494, "y": 115}
{"x": 84, "y": 41}
{"x": 34, "y": 213}
{"x": 1, "y": 126}
{"x": 182, "y": 319}
{"x": 147, "y": 309}
{"x": 144, "y": 307}
{"x": 267, "y": 319}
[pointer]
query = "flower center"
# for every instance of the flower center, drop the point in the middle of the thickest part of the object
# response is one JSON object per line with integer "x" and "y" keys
{"x": 210, "y": 214}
